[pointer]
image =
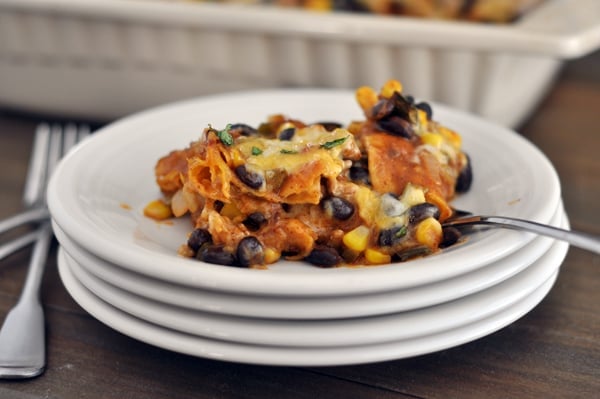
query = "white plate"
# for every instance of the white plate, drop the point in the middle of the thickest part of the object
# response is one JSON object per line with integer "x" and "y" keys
{"x": 332, "y": 332}
{"x": 88, "y": 191}
{"x": 308, "y": 307}
{"x": 288, "y": 356}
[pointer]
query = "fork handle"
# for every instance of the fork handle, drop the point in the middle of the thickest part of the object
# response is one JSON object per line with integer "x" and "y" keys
{"x": 575, "y": 238}
{"x": 37, "y": 262}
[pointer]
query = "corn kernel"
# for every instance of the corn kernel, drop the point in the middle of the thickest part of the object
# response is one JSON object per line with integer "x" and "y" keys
{"x": 158, "y": 210}
{"x": 357, "y": 239}
{"x": 271, "y": 255}
{"x": 318, "y": 5}
{"x": 390, "y": 87}
{"x": 230, "y": 210}
{"x": 422, "y": 118}
{"x": 375, "y": 257}
{"x": 237, "y": 158}
{"x": 451, "y": 136}
{"x": 429, "y": 232}
{"x": 432, "y": 139}
{"x": 366, "y": 98}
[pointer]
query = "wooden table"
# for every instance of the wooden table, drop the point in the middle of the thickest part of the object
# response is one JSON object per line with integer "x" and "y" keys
{"x": 552, "y": 352}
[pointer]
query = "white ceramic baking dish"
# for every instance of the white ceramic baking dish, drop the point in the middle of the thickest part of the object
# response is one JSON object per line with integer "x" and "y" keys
{"x": 105, "y": 59}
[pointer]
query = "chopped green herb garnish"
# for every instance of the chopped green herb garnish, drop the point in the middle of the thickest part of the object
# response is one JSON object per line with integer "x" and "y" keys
{"x": 224, "y": 135}
{"x": 330, "y": 144}
{"x": 256, "y": 151}
{"x": 401, "y": 232}
{"x": 288, "y": 151}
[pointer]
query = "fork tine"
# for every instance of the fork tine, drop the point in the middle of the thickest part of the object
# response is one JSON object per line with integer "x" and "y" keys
{"x": 83, "y": 132}
{"x": 51, "y": 144}
{"x": 55, "y": 151}
{"x": 33, "y": 190}
{"x": 74, "y": 134}
{"x": 70, "y": 137}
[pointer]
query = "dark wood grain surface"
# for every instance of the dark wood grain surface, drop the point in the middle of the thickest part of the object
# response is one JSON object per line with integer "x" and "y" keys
{"x": 552, "y": 352}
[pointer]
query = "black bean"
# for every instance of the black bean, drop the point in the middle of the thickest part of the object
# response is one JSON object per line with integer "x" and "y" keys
{"x": 466, "y": 7}
{"x": 465, "y": 178}
{"x": 251, "y": 179}
{"x": 411, "y": 253}
{"x": 396, "y": 105}
{"x": 216, "y": 254}
{"x": 353, "y": 5}
{"x": 245, "y": 130}
{"x": 254, "y": 221}
{"x": 423, "y": 211}
{"x": 423, "y": 106}
{"x": 402, "y": 106}
{"x": 360, "y": 174}
{"x": 324, "y": 256}
{"x": 451, "y": 235}
{"x": 250, "y": 252}
{"x": 198, "y": 238}
{"x": 410, "y": 99}
{"x": 287, "y": 134}
{"x": 382, "y": 109}
{"x": 330, "y": 126}
{"x": 338, "y": 208}
{"x": 397, "y": 126}
{"x": 218, "y": 205}
{"x": 392, "y": 236}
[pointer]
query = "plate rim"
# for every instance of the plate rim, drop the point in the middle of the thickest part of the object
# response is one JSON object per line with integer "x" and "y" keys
{"x": 95, "y": 266}
{"x": 329, "y": 332}
{"x": 84, "y": 235}
{"x": 253, "y": 354}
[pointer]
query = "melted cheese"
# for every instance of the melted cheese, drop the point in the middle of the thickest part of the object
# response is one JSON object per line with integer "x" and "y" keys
{"x": 308, "y": 145}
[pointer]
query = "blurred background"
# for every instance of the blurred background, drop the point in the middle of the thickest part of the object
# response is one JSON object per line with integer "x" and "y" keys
{"x": 106, "y": 59}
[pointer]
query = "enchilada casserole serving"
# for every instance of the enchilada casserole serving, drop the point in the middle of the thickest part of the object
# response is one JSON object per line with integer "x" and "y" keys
{"x": 373, "y": 192}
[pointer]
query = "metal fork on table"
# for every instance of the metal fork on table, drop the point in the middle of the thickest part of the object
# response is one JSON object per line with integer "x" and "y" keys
{"x": 22, "y": 337}
{"x": 34, "y": 191}
{"x": 32, "y": 194}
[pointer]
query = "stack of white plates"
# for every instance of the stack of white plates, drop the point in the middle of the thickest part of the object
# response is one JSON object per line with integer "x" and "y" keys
{"x": 124, "y": 268}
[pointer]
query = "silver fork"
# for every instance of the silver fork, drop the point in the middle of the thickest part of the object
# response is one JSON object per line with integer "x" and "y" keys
{"x": 578, "y": 239}
{"x": 34, "y": 191}
{"x": 22, "y": 337}
{"x": 33, "y": 194}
